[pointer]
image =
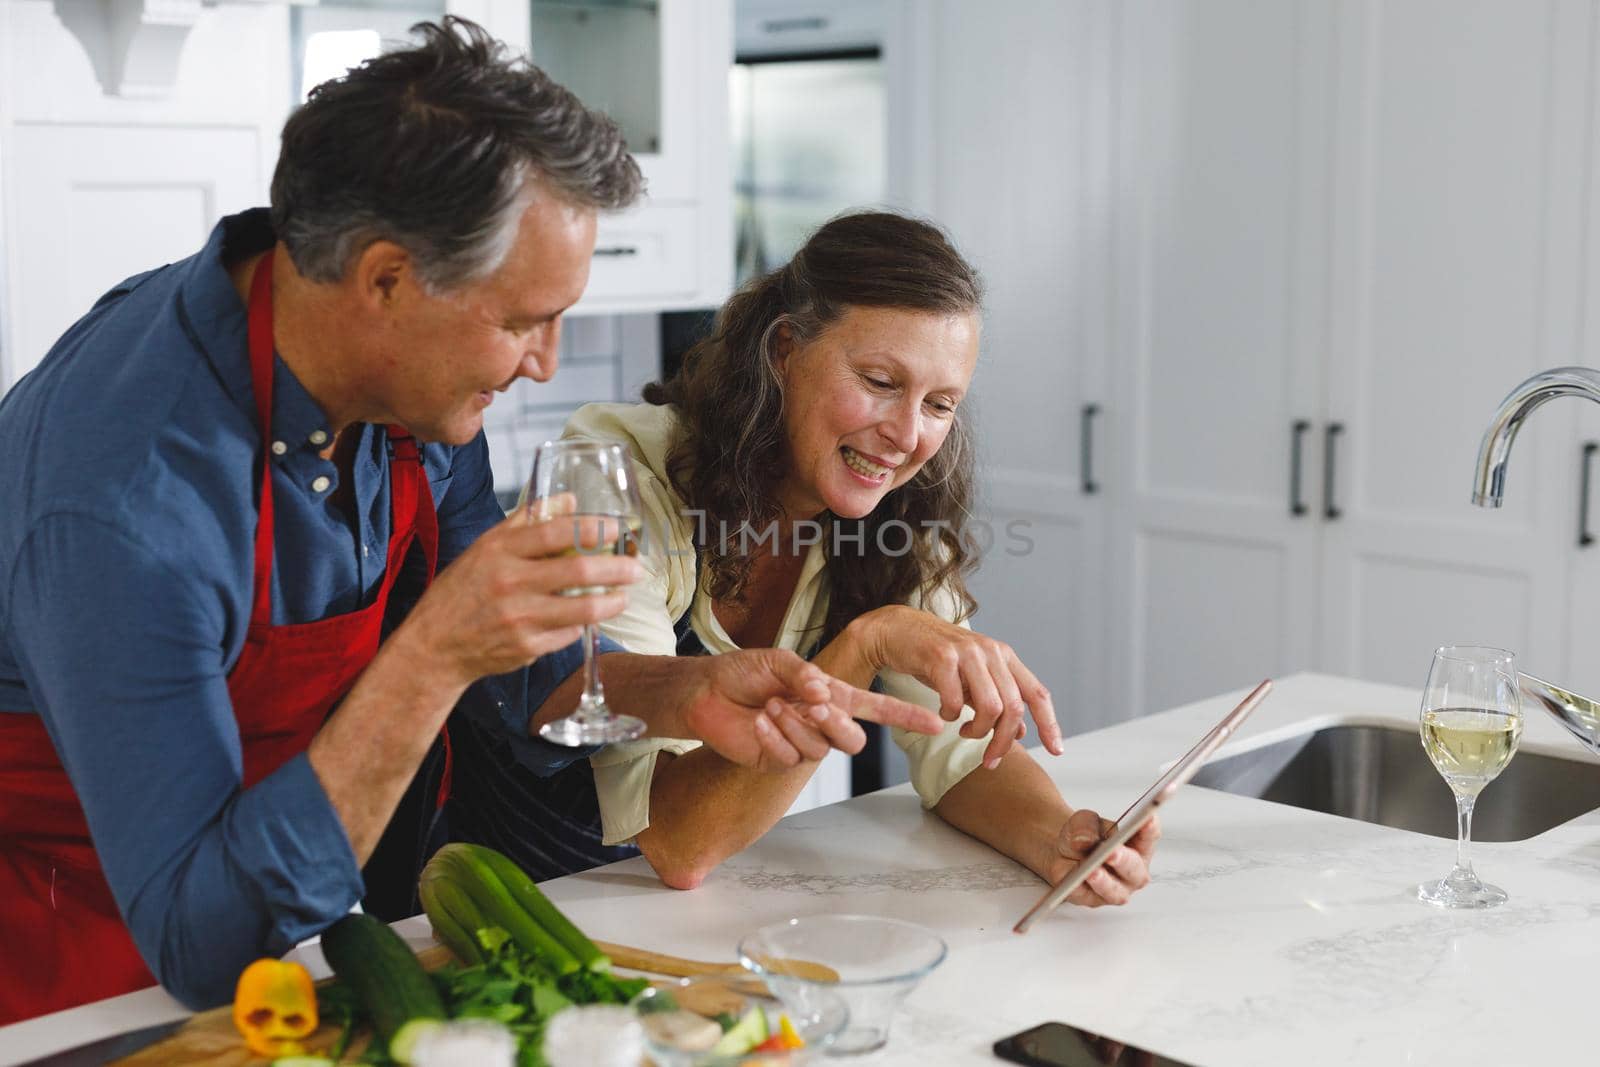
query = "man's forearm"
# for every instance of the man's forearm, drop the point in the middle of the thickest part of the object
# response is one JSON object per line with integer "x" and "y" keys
{"x": 657, "y": 689}
{"x": 367, "y": 752}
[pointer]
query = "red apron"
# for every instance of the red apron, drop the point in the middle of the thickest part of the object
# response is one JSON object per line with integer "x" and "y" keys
{"x": 58, "y": 921}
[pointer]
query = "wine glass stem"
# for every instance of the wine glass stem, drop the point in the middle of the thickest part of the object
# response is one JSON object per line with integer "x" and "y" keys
{"x": 1464, "y": 832}
{"x": 594, "y": 697}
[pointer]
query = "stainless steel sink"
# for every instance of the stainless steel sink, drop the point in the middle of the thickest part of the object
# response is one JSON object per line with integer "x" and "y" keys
{"x": 1379, "y": 774}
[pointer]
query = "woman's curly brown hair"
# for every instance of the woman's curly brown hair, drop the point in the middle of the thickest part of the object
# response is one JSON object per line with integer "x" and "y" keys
{"x": 732, "y": 451}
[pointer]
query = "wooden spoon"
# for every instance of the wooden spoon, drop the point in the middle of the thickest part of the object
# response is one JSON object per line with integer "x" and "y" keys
{"x": 639, "y": 959}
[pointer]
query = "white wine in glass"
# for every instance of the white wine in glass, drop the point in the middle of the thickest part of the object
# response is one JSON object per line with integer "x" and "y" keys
{"x": 1471, "y": 723}
{"x": 599, "y": 481}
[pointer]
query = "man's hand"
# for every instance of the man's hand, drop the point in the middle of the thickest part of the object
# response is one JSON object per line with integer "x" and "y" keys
{"x": 500, "y": 605}
{"x": 768, "y": 708}
{"x": 1124, "y": 873}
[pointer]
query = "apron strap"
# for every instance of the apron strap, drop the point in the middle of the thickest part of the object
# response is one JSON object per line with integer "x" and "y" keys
{"x": 261, "y": 355}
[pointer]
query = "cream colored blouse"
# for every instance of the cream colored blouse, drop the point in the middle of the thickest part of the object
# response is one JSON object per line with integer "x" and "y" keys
{"x": 623, "y": 772}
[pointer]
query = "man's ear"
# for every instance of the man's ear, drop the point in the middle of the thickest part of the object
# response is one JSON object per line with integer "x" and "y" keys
{"x": 378, "y": 272}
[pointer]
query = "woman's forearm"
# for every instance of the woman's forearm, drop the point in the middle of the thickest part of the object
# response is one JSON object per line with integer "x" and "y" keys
{"x": 1015, "y": 809}
{"x": 848, "y": 656}
{"x": 704, "y": 809}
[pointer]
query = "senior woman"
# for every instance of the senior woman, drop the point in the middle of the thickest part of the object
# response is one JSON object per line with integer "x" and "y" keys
{"x": 805, "y": 479}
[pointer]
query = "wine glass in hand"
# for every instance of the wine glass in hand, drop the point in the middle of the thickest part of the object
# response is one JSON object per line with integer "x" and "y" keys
{"x": 599, "y": 482}
{"x": 1471, "y": 723}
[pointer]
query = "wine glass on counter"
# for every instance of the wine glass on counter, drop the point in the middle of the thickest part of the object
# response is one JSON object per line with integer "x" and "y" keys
{"x": 1471, "y": 723}
{"x": 589, "y": 480}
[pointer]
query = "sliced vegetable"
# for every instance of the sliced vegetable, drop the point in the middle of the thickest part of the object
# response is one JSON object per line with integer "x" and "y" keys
{"x": 403, "y": 1045}
{"x": 784, "y": 1039}
{"x": 746, "y": 1034}
{"x": 681, "y": 1030}
{"x": 303, "y": 1061}
{"x": 275, "y": 1007}
{"x": 468, "y": 1043}
{"x": 384, "y": 974}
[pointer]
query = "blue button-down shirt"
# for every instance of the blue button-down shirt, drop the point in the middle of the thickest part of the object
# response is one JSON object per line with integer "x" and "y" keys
{"x": 129, "y": 466}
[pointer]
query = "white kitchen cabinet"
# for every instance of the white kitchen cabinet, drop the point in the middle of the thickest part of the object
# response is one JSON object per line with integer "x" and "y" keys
{"x": 1575, "y": 426}
{"x": 1348, "y": 218}
{"x": 1215, "y": 347}
{"x": 1459, "y": 168}
{"x": 1365, "y": 220}
{"x": 1030, "y": 212}
{"x": 95, "y": 187}
{"x": 660, "y": 68}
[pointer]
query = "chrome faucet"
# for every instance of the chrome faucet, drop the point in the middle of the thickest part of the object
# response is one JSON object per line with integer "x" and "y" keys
{"x": 1490, "y": 485}
{"x": 1578, "y": 714}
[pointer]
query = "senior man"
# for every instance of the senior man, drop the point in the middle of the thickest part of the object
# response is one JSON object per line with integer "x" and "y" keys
{"x": 224, "y": 496}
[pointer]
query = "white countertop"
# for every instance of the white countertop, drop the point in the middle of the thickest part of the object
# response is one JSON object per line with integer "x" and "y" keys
{"x": 1270, "y": 934}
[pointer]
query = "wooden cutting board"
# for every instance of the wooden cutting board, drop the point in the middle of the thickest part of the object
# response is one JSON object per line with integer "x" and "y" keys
{"x": 210, "y": 1039}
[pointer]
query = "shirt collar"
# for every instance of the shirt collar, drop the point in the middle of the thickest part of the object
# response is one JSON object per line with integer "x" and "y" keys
{"x": 212, "y": 313}
{"x": 297, "y": 419}
{"x": 218, "y": 321}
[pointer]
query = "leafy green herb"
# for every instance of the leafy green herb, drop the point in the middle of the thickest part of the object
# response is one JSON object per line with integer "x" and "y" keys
{"x": 512, "y": 986}
{"x": 337, "y": 1003}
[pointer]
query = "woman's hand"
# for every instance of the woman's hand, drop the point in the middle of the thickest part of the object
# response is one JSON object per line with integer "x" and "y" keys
{"x": 966, "y": 669}
{"x": 1124, "y": 873}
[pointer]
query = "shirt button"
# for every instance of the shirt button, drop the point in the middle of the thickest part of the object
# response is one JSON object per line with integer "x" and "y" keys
{"x": 366, "y": 551}
{"x": 279, "y": 448}
{"x": 320, "y": 484}
{"x": 318, "y": 437}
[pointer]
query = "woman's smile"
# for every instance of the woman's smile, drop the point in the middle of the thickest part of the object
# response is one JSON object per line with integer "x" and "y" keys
{"x": 867, "y": 469}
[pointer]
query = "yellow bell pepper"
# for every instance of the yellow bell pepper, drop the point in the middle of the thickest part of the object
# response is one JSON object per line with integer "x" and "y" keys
{"x": 275, "y": 1007}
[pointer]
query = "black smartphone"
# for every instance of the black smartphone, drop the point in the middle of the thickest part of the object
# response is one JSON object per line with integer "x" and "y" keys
{"x": 1060, "y": 1045}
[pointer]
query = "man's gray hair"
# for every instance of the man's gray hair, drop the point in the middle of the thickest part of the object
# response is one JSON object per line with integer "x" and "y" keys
{"x": 439, "y": 148}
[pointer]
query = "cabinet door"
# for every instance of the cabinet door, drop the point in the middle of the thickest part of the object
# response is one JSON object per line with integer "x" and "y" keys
{"x": 660, "y": 68}
{"x": 1579, "y": 669}
{"x": 1218, "y": 297}
{"x": 1458, "y": 151}
{"x": 98, "y": 203}
{"x": 639, "y": 62}
{"x": 1020, "y": 156}
{"x": 1578, "y": 665}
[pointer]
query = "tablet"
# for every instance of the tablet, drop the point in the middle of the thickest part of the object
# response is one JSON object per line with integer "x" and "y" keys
{"x": 1141, "y": 811}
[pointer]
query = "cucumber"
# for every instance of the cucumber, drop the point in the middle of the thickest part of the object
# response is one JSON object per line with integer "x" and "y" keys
{"x": 746, "y": 1034}
{"x": 543, "y": 912}
{"x": 384, "y": 974}
{"x": 465, "y": 867}
{"x": 405, "y": 1039}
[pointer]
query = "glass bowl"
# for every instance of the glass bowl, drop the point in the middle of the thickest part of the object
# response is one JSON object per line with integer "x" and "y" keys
{"x": 685, "y": 1020}
{"x": 878, "y": 962}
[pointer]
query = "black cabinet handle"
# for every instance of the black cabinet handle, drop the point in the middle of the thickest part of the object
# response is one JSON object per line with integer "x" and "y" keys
{"x": 1086, "y": 449}
{"x": 616, "y": 250}
{"x": 1297, "y": 439}
{"x": 1330, "y": 510}
{"x": 1585, "y": 538}
{"x": 803, "y": 22}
